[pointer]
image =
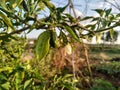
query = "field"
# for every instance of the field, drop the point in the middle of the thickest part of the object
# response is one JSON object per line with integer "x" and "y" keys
{"x": 104, "y": 52}
{"x": 105, "y": 62}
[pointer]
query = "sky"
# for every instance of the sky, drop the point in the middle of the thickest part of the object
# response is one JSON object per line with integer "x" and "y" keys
{"x": 82, "y": 8}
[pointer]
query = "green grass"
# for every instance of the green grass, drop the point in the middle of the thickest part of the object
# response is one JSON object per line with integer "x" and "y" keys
{"x": 104, "y": 52}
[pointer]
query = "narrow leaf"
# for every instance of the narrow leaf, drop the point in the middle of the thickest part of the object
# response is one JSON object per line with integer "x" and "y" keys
{"x": 86, "y": 18}
{"x": 6, "y": 20}
{"x": 54, "y": 40}
{"x": 107, "y": 12}
{"x": 99, "y": 11}
{"x": 63, "y": 38}
{"x": 60, "y": 10}
{"x": 27, "y": 83}
{"x": 98, "y": 37}
{"x": 91, "y": 26}
{"x": 104, "y": 23}
{"x": 2, "y": 4}
{"x": 71, "y": 32}
{"x": 15, "y": 3}
{"x": 118, "y": 15}
{"x": 6, "y": 86}
{"x": 96, "y": 19}
{"x": 71, "y": 18}
{"x": 111, "y": 33}
{"x": 25, "y": 6}
{"x": 49, "y": 5}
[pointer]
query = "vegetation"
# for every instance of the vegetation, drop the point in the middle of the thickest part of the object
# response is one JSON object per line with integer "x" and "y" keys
{"x": 102, "y": 85}
{"x": 61, "y": 60}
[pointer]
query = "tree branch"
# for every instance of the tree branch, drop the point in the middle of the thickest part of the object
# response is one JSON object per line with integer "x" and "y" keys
{"x": 24, "y": 29}
{"x": 21, "y": 30}
{"x": 82, "y": 27}
{"x": 105, "y": 29}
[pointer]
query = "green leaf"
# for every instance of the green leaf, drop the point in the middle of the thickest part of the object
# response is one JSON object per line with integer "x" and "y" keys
{"x": 86, "y": 18}
{"x": 2, "y": 4}
{"x": 107, "y": 12}
{"x": 38, "y": 75}
{"x": 49, "y": 5}
{"x": 25, "y": 6}
{"x": 6, "y": 86}
{"x": 27, "y": 83}
{"x": 111, "y": 33}
{"x": 67, "y": 76}
{"x": 3, "y": 77}
{"x": 98, "y": 37}
{"x": 15, "y": 3}
{"x": 91, "y": 26}
{"x": 99, "y": 11}
{"x": 118, "y": 15}
{"x": 41, "y": 5}
{"x": 63, "y": 38}
{"x": 6, "y": 11}
{"x": 71, "y": 18}
{"x": 6, "y": 20}
{"x": 111, "y": 19}
{"x": 54, "y": 40}
{"x": 60, "y": 10}
{"x": 8, "y": 69}
{"x": 96, "y": 19}
{"x": 71, "y": 32}
{"x": 18, "y": 80}
{"x": 42, "y": 45}
{"x": 104, "y": 23}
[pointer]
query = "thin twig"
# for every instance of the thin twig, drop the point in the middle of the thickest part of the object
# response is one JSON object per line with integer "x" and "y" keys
{"x": 82, "y": 27}
{"x": 114, "y": 5}
{"x": 19, "y": 31}
{"x": 105, "y": 29}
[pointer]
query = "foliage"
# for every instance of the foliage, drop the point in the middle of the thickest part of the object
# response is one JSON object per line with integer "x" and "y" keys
{"x": 112, "y": 68}
{"x": 18, "y": 74}
{"x": 43, "y": 45}
{"x": 11, "y": 49}
{"x": 101, "y": 84}
{"x": 63, "y": 82}
{"x": 19, "y": 77}
{"x": 13, "y": 73}
{"x": 23, "y": 16}
{"x": 104, "y": 24}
